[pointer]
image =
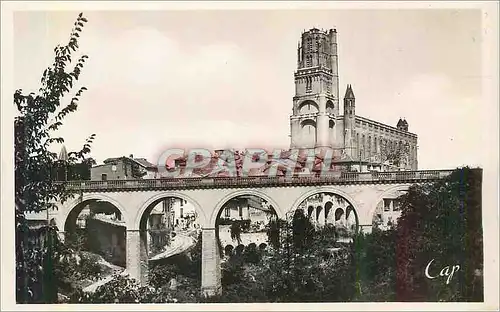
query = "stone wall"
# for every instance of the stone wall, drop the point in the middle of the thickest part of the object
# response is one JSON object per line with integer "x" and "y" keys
{"x": 108, "y": 240}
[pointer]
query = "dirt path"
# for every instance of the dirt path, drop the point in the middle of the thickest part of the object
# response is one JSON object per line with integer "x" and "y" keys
{"x": 106, "y": 279}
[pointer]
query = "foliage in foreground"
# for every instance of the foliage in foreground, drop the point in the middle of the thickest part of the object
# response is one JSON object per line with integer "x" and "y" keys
{"x": 39, "y": 116}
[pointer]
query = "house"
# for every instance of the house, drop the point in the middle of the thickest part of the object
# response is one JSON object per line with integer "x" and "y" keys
{"x": 124, "y": 168}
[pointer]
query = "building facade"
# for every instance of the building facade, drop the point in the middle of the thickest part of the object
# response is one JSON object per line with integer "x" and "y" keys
{"x": 124, "y": 168}
{"x": 246, "y": 208}
{"x": 316, "y": 121}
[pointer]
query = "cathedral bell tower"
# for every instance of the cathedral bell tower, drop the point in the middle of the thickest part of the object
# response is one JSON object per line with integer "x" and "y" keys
{"x": 316, "y": 100}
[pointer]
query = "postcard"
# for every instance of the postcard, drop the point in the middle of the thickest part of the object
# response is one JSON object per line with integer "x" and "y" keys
{"x": 250, "y": 156}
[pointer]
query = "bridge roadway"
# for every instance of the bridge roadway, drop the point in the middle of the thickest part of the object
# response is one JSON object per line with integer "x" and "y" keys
{"x": 135, "y": 198}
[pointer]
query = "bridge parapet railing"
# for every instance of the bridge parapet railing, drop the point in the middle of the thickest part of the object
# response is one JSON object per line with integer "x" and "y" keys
{"x": 191, "y": 182}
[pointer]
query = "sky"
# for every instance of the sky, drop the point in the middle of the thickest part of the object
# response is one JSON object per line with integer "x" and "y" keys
{"x": 219, "y": 79}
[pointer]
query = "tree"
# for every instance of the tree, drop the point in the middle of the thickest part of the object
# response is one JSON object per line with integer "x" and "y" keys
{"x": 273, "y": 232}
{"x": 305, "y": 268}
{"x": 236, "y": 231}
{"x": 36, "y": 188}
{"x": 375, "y": 262}
{"x": 396, "y": 155}
{"x": 302, "y": 230}
{"x": 441, "y": 221}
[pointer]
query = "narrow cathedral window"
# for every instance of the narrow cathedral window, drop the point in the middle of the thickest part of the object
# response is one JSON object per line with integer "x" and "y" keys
{"x": 308, "y": 83}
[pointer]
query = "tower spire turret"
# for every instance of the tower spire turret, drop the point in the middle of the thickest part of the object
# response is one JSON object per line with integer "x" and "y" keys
{"x": 349, "y": 121}
{"x": 63, "y": 154}
{"x": 349, "y": 94}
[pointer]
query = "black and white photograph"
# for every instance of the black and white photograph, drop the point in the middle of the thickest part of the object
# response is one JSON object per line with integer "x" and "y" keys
{"x": 177, "y": 155}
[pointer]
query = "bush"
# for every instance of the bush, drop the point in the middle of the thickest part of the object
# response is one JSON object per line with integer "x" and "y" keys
{"x": 121, "y": 289}
{"x": 250, "y": 255}
{"x": 232, "y": 271}
{"x": 160, "y": 275}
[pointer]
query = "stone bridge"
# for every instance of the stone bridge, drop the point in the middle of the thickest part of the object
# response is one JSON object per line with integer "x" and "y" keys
{"x": 133, "y": 198}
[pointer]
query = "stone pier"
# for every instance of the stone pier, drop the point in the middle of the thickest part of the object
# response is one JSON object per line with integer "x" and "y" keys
{"x": 134, "y": 254}
{"x": 210, "y": 267}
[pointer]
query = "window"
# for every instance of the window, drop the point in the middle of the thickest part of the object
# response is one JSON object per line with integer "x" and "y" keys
{"x": 363, "y": 145}
{"x": 227, "y": 212}
{"x": 182, "y": 212}
{"x": 104, "y": 177}
{"x": 308, "y": 61}
{"x": 387, "y": 204}
{"x": 308, "y": 83}
{"x": 240, "y": 211}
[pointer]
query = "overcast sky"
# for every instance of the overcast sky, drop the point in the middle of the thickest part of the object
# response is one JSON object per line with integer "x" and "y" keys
{"x": 225, "y": 78}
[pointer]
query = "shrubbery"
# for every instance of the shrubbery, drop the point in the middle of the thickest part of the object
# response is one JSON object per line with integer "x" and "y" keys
{"x": 440, "y": 221}
{"x": 122, "y": 289}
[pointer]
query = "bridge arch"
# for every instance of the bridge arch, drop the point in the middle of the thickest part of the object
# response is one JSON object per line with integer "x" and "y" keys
{"x": 225, "y": 199}
{"x": 136, "y": 222}
{"x": 373, "y": 207}
{"x": 328, "y": 212}
{"x": 320, "y": 190}
{"x": 71, "y": 205}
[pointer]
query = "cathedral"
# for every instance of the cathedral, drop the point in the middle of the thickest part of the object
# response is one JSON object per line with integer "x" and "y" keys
{"x": 316, "y": 121}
